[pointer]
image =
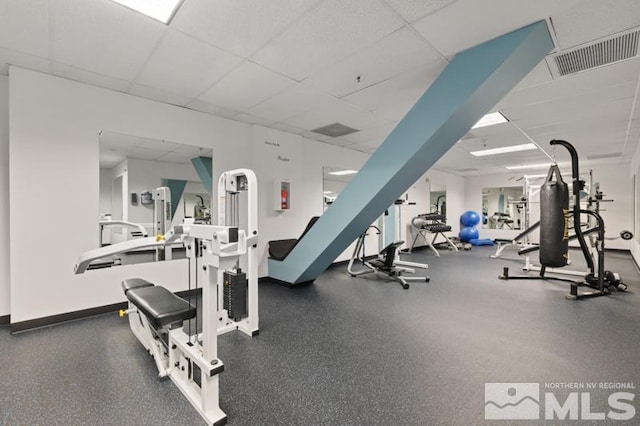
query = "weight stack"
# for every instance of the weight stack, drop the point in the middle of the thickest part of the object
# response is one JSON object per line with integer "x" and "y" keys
{"x": 235, "y": 294}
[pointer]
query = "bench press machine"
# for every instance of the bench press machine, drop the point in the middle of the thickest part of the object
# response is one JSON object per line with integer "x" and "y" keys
{"x": 229, "y": 296}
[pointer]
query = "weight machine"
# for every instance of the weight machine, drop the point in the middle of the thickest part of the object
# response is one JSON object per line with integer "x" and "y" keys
{"x": 229, "y": 295}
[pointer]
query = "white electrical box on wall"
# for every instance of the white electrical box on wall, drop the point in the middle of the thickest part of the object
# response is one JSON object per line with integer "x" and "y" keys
{"x": 283, "y": 195}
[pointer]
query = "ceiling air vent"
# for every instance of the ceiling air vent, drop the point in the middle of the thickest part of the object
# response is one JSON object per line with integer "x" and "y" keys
{"x": 466, "y": 170}
{"x": 605, "y": 51}
{"x": 335, "y": 130}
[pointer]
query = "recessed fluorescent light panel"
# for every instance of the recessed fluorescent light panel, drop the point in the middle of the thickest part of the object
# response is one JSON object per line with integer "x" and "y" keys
{"x": 491, "y": 119}
{"x": 504, "y": 149}
{"x": 343, "y": 172}
{"x": 160, "y": 10}
{"x": 529, "y": 166}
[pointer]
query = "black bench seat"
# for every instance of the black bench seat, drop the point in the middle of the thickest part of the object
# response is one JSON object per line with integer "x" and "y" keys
{"x": 159, "y": 305}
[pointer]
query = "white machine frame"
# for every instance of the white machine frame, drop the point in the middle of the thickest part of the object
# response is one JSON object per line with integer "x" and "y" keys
{"x": 222, "y": 251}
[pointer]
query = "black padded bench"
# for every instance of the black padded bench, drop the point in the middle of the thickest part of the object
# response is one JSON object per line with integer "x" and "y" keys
{"x": 280, "y": 249}
{"x": 159, "y": 305}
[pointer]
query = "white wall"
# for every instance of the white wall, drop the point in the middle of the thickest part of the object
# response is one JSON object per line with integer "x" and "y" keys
{"x": 615, "y": 184}
{"x": 635, "y": 211}
{"x": 4, "y": 196}
{"x": 279, "y": 155}
{"x": 54, "y": 143}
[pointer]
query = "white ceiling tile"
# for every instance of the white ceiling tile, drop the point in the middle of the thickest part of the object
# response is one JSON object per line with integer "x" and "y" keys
{"x": 414, "y": 9}
{"x": 363, "y": 148}
{"x": 173, "y": 157}
{"x": 192, "y": 150}
{"x": 598, "y": 81}
{"x": 158, "y": 95}
{"x": 248, "y": 85}
{"x": 208, "y": 108}
{"x": 393, "y": 98}
{"x": 328, "y": 33}
{"x": 287, "y": 128}
{"x": 24, "y": 26}
{"x": 24, "y": 60}
{"x": 88, "y": 77}
{"x": 239, "y": 26}
{"x": 593, "y": 19}
{"x": 290, "y": 102}
{"x": 539, "y": 75}
{"x": 467, "y": 23}
{"x": 370, "y": 135}
{"x": 399, "y": 52}
{"x": 182, "y": 64}
{"x": 103, "y": 37}
{"x": 252, "y": 119}
{"x": 336, "y": 111}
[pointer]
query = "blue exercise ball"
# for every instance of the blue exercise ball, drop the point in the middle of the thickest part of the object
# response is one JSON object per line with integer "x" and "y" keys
{"x": 468, "y": 233}
{"x": 470, "y": 218}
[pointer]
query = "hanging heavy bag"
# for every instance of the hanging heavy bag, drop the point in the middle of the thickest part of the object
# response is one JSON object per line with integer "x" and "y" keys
{"x": 554, "y": 220}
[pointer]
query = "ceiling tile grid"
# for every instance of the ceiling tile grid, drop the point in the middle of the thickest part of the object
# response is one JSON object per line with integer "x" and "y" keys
{"x": 239, "y": 26}
{"x": 411, "y": 10}
{"x": 24, "y": 26}
{"x": 181, "y": 64}
{"x": 590, "y": 20}
{"x": 292, "y": 101}
{"x": 293, "y": 64}
{"x": 102, "y": 37}
{"x": 399, "y": 52}
{"x": 247, "y": 86}
{"x": 330, "y": 32}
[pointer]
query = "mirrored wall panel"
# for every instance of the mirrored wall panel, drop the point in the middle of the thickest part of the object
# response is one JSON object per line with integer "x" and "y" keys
{"x": 502, "y": 207}
{"x": 146, "y": 187}
{"x": 334, "y": 180}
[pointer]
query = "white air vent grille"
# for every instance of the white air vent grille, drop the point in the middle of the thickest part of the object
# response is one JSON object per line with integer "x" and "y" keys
{"x": 607, "y": 51}
{"x": 335, "y": 130}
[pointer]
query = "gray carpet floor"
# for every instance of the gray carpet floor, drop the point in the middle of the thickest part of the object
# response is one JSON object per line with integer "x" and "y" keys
{"x": 345, "y": 350}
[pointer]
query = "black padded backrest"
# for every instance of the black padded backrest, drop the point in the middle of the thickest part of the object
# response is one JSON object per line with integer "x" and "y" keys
{"x": 280, "y": 249}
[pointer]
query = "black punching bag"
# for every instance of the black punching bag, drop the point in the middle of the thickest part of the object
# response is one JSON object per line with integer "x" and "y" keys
{"x": 554, "y": 217}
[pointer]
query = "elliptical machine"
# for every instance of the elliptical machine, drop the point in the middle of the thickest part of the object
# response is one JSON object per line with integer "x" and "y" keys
{"x": 554, "y": 237}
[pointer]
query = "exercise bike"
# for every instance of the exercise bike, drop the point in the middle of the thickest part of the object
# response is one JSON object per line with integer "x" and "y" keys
{"x": 387, "y": 261}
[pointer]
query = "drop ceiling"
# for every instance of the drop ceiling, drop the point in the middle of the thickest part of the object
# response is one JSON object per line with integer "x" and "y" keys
{"x": 299, "y": 65}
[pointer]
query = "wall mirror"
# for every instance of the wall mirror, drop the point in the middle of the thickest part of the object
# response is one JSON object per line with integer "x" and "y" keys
{"x": 147, "y": 186}
{"x": 437, "y": 199}
{"x": 334, "y": 180}
{"x": 502, "y": 207}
